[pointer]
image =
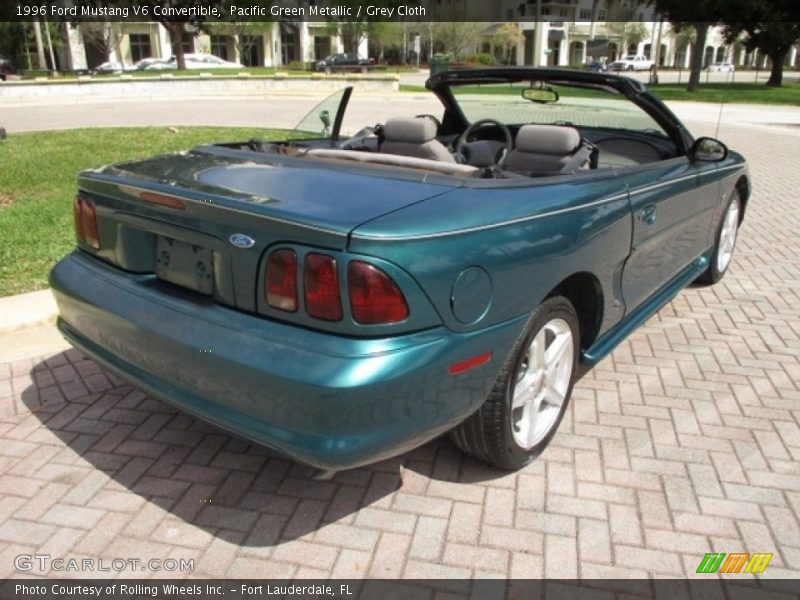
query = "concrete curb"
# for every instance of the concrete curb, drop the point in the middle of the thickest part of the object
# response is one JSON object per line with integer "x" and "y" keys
{"x": 27, "y": 310}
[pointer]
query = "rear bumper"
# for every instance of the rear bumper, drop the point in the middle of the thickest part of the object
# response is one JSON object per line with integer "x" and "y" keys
{"x": 324, "y": 400}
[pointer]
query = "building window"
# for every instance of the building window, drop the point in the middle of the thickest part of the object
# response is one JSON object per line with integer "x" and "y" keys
{"x": 219, "y": 46}
{"x": 187, "y": 41}
{"x": 601, "y": 15}
{"x": 250, "y": 47}
{"x": 563, "y": 12}
{"x": 322, "y": 46}
{"x": 510, "y": 14}
{"x": 287, "y": 46}
{"x": 545, "y": 10}
{"x": 140, "y": 46}
{"x": 585, "y": 15}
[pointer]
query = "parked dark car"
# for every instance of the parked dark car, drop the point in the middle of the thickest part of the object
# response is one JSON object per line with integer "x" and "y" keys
{"x": 343, "y": 63}
{"x": 344, "y": 299}
{"x": 6, "y": 68}
{"x": 595, "y": 66}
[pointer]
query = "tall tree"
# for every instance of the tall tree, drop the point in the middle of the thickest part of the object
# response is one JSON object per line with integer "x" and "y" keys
{"x": 770, "y": 26}
{"x": 101, "y": 36}
{"x": 355, "y": 31}
{"x": 622, "y": 22}
{"x": 457, "y": 37}
{"x": 13, "y": 41}
{"x": 508, "y": 37}
{"x": 178, "y": 17}
{"x": 699, "y": 15}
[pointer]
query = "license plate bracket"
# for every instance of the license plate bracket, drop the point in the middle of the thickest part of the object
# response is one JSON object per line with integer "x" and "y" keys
{"x": 185, "y": 264}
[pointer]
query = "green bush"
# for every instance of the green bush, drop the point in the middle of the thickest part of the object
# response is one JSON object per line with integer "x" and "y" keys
{"x": 297, "y": 65}
{"x": 483, "y": 59}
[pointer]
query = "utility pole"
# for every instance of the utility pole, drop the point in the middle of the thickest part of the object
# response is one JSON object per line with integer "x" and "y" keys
{"x": 50, "y": 46}
{"x": 37, "y": 33}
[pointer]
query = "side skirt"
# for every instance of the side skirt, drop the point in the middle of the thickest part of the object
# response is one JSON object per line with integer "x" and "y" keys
{"x": 606, "y": 343}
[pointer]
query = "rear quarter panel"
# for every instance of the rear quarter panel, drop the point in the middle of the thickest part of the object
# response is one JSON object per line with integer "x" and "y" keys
{"x": 528, "y": 239}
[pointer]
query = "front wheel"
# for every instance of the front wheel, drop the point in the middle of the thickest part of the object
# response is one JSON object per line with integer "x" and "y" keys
{"x": 522, "y": 412}
{"x": 726, "y": 240}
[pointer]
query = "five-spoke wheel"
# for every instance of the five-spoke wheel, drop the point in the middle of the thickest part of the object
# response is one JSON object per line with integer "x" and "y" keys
{"x": 725, "y": 242}
{"x": 542, "y": 381}
{"x": 522, "y": 412}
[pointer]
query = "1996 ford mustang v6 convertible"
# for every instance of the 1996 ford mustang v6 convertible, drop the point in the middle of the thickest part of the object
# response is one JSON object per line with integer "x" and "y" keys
{"x": 346, "y": 299}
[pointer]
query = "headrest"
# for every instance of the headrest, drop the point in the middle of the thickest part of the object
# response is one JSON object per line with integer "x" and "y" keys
{"x": 548, "y": 139}
{"x": 412, "y": 130}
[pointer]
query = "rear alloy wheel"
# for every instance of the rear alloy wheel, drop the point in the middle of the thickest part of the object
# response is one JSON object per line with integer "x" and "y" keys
{"x": 529, "y": 398}
{"x": 726, "y": 241}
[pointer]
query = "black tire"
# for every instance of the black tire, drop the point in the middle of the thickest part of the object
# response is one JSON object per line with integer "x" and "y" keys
{"x": 715, "y": 271}
{"x": 489, "y": 434}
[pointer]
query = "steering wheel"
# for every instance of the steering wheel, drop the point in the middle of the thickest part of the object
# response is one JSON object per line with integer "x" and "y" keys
{"x": 484, "y": 153}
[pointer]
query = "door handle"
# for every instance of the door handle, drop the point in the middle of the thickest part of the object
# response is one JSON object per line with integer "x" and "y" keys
{"x": 648, "y": 214}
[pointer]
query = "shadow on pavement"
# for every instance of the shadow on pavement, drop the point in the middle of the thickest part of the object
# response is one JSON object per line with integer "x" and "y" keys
{"x": 228, "y": 486}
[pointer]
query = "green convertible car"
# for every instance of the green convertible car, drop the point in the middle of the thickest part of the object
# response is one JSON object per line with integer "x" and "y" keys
{"x": 344, "y": 299}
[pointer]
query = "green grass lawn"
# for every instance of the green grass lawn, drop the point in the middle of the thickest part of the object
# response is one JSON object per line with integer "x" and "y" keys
{"x": 745, "y": 93}
{"x": 37, "y": 186}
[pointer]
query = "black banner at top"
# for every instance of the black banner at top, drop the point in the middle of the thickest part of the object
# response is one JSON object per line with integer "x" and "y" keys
{"x": 555, "y": 12}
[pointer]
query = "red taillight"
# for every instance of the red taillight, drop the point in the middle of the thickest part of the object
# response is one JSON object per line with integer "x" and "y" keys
{"x": 86, "y": 222}
{"x": 321, "y": 284}
{"x": 77, "y": 208}
{"x": 282, "y": 280}
{"x": 90, "y": 225}
{"x": 374, "y": 297}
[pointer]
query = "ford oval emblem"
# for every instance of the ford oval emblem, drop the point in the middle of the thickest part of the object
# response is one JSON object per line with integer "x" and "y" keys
{"x": 241, "y": 240}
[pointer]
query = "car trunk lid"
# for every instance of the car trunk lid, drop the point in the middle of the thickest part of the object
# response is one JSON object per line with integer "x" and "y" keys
{"x": 201, "y": 220}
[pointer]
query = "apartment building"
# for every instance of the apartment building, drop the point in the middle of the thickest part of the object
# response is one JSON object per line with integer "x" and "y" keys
{"x": 554, "y": 33}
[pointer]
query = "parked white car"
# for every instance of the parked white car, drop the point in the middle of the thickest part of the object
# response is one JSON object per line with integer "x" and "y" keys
{"x": 195, "y": 61}
{"x": 631, "y": 62}
{"x": 152, "y": 64}
{"x": 110, "y": 66}
{"x": 721, "y": 67}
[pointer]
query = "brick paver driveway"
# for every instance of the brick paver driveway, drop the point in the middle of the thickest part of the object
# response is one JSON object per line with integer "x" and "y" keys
{"x": 684, "y": 441}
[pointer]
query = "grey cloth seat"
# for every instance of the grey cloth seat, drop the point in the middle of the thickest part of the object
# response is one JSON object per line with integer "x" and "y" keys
{"x": 414, "y": 136}
{"x": 544, "y": 150}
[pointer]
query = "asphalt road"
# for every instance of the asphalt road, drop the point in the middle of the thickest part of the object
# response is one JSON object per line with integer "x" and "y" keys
{"x": 278, "y": 111}
{"x": 284, "y": 110}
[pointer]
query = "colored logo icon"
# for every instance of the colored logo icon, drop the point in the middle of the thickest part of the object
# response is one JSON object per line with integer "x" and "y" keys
{"x": 737, "y": 562}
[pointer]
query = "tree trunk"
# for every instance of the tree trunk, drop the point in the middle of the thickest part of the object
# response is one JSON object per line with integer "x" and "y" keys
{"x": 176, "y": 30}
{"x": 698, "y": 52}
{"x": 37, "y": 31}
{"x": 776, "y": 69}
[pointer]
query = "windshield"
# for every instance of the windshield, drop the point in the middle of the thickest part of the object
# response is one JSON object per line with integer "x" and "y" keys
{"x": 555, "y": 104}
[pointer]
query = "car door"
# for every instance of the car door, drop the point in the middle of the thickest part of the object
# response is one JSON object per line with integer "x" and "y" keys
{"x": 672, "y": 202}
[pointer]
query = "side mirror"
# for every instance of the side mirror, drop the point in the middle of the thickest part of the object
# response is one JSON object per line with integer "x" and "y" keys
{"x": 325, "y": 117}
{"x": 708, "y": 149}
